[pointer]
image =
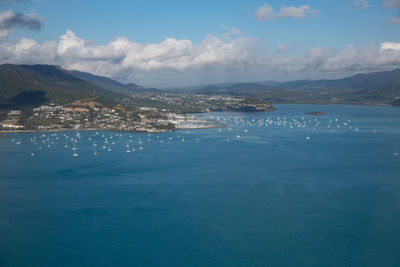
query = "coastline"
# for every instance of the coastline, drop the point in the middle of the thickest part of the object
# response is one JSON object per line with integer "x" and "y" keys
{"x": 216, "y": 125}
{"x": 213, "y": 125}
{"x": 49, "y": 130}
{"x": 209, "y": 125}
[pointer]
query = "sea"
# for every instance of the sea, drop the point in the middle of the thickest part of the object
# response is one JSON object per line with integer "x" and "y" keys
{"x": 281, "y": 188}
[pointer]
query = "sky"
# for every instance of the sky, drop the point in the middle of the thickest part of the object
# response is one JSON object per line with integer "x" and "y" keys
{"x": 180, "y": 43}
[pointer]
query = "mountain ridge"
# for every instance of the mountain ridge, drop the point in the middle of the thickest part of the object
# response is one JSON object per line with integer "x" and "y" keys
{"x": 22, "y": 85}
{"x": 361, "y": 81}
{"x": 108, "y": 83}
{"x": 52, "y": 82}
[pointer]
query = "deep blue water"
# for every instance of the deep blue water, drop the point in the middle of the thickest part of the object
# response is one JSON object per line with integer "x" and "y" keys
{"x": 275, "y": 196}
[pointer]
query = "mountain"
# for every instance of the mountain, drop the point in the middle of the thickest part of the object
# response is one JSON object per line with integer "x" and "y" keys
{"x": 110, "y": 84}
{"x": 359, "y": 82}
{"x": 31, "y": 85}
{"x": 376, "y": 88}
{"x": 234, "y": 89}
{"x": 25, "y": 85}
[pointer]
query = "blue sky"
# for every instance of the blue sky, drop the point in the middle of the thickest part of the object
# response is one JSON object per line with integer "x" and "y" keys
{"x": 325, "y": 25}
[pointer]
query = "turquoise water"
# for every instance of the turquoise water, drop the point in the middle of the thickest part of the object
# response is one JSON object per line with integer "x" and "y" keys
{"x": 270, "y": 189}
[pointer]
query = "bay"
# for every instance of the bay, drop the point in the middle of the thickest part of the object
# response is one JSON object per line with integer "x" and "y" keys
{"x": 280, "y": 188}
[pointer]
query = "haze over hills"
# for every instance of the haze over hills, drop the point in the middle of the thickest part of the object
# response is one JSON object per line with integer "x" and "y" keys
{"x": 377, "y": 88}
{"x": 373, "y": 80}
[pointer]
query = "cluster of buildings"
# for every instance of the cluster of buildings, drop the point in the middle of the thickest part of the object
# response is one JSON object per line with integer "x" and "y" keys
{"x": 207, "y": 103}
{"x": 164, "y": 112}
{"x": 58, "y": 117}
{"x": 53, "y": 117}
{"x": 12, "y": 121}
{"x": 194, "y": 102}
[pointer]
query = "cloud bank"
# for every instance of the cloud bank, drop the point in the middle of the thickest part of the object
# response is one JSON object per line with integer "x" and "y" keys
{"x": 175, "y": 62}
{"x": 266, "y": 12}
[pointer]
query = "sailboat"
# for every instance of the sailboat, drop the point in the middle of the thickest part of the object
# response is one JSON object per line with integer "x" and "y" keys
{"x": 395, "y": 153}
{"x": 74, "y": 149}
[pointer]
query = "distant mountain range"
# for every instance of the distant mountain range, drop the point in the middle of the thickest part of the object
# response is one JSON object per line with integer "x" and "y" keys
{"x": 31, "y": 85}
{"x": 373, "y": 80}
{"x": 376, "y": 88}
{"x": 359, "y": 82}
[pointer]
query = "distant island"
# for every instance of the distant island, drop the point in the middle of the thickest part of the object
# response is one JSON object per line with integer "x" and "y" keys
{"x": 316, "y": 113}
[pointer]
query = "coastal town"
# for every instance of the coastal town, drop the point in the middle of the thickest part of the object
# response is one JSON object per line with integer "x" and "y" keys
{"x": 155, "y": 112}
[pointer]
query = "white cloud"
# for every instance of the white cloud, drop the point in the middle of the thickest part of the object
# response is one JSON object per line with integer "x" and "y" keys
{"x": 281, "y": 48}
{"x": 390, "y": 46}
{"x": 266, "y": 12}
{"x": 180, "y": 62}
{"x": 230, "y": 31}
{"x": 235, "y": 31}
{"x": 361, "y": 3}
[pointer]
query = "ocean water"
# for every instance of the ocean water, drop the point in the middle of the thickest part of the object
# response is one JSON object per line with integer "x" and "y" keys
{"x": 279, "y": 188}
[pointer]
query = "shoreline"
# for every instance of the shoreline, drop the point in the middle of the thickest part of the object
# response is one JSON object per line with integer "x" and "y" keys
{"x": 194, "y": 128}
{"x": 203, "y": 128}
{"x": 49, "y": 130}
{"x": 99, "y": 129}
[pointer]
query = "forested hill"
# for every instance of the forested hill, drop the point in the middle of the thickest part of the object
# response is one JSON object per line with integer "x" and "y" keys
{"x": 25, "y": 85}
{"x": 110, "y": 84}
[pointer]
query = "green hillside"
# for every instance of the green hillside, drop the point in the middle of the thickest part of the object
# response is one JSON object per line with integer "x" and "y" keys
{"x": 30, "y": 85}
{"x": 111, "y": 84}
